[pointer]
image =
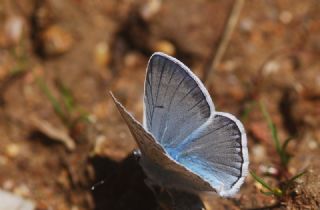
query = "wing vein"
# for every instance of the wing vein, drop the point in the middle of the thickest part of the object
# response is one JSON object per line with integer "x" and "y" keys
{"x": 188, "y": 93}
{"x": 175, "y": 91}
{"x": 158, "y": 89}
{"x": 165, "y": 95}
{"x": 195, "y": 105}
{"x": 148, "y": 101}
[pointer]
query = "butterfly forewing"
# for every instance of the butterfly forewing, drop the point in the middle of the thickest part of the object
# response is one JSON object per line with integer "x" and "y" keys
{"x": 174, "y": 98}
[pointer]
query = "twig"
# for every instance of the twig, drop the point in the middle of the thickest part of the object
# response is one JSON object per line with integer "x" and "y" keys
{"x": 229, "y": 28}
{"x": 57, "y": 134}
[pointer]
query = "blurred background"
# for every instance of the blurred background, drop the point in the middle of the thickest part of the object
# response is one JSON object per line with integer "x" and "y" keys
{"x": 60, "y": 132}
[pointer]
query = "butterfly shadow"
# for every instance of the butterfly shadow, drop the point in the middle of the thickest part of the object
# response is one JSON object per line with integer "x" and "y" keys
{"x": 122, "y": 186}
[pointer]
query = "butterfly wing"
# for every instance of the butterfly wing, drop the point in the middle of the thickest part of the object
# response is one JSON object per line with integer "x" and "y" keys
{"x": 180, "y": 114}
{"x": 218, "y": 153}
{"x": 186, "y": 143}
{"x": 174, "y": 96}
{"x": 156, "y": 163}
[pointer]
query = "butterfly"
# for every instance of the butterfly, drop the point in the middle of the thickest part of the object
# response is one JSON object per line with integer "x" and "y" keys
{"x": 185, "y": 144}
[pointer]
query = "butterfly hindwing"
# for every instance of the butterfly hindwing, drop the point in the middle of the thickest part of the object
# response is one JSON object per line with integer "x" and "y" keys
{"x": 218, "y": 153}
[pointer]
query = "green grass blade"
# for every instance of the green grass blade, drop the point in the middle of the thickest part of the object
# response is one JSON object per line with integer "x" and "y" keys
{"x": 53, "y": 100}
{"x": 286, "y": 142}
{"x": 247, "y": 110}
{"x": 261, "y": 181}
{"x": 292, "y": 179}
{"x": 280, "y": 149}
{"x": 278, "y": 192}
{"x": 67, "y": 98}
{"x": 285, "y": 155}
{"x": 267, "y": 193}
{"x": 271, "y": 126}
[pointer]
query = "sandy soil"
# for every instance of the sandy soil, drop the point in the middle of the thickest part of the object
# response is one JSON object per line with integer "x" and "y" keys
{"x": 60, "y": 133}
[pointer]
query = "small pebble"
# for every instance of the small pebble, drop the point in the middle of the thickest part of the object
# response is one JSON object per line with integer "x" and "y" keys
{"x": 246, "y": 25}
{"x": 12, "y": 150}
{"x": 74, "y": 208}
{"x": 229, "y": 65}
{"x": 8, "y": 184}
{"x": 150, "y": 9}
{"x": 312, "y": 144}
{"x": 56, "y": 41}
{"x": 271, "y": 67}
{"x": 285, "y": 17}
{"x": 10, "y": 201}
{"x": 14, "y": 29}
{"x": 131, "y": 59}
{"x": 164, "y": 46}
{"x": 259, "y": 152}
{"x": 268, "y": 170}
{"x": 102, "y": 54}
{"x": 98, "y": 146}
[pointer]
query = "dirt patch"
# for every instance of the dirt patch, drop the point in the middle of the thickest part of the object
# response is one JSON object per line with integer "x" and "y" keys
{"x": 59, "y": 59}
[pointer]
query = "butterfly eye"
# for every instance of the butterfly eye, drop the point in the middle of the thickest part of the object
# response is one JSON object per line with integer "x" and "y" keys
{"x": 137, "y": 154}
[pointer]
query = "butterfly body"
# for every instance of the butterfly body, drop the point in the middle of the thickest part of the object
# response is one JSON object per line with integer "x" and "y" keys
{"x": 185, "y": 144}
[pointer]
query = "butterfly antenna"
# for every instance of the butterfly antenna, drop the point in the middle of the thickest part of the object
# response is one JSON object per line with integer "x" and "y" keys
{"x": 97, "y": 184}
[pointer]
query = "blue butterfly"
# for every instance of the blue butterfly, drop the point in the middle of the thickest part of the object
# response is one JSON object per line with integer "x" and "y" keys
{"x": 185, "y": 144}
